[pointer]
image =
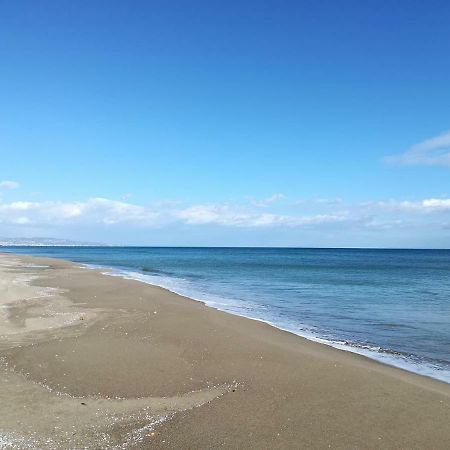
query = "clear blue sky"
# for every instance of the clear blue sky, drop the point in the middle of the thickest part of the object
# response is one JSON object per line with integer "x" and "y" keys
{"x": 226, "y": 123}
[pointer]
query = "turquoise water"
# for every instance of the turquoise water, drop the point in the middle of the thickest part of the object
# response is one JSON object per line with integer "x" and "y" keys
{"x": 390, "y": 305}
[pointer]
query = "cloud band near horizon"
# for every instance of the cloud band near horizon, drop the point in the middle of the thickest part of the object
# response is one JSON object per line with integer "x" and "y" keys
{"x": 248, "y": 214}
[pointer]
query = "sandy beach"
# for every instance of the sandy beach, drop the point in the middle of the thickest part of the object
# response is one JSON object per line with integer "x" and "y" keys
{"x": 89, "y": 360}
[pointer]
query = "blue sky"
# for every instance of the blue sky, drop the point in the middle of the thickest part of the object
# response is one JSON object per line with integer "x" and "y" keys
{"x": 226, "y": 123}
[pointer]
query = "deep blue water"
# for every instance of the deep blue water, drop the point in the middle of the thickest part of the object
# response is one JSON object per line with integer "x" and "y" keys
{"x": 391, "y": 305}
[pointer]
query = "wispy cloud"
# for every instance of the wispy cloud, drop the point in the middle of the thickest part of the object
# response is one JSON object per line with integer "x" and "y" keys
{"x": 7, "y": 184}
{"x": 102, "y": 211}
{"x": 92, "y": 211}
{"x": 229, "y": 215}
{"x": 269, "y": 200}
{"x": 330, "y": 220}
{"x": 420, "y": 206}
{"x": 431, "y": 152}
{"x": 319, "y": 201}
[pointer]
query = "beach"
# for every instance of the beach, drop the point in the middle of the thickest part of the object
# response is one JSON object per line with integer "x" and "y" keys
{"x": 94, "y": 361}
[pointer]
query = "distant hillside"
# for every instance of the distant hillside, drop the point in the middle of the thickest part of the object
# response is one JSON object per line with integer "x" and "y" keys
{"x": 42, "y": 241}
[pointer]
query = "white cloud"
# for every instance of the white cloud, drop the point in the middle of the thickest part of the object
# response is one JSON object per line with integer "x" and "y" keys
{"x": 437, "y": 203}
{"x": 426, "y": 205}
{"x": 92, "y": 211}
{"x": 269, "y": 200}
{"x": 431, "y": 152}
{"x": 228, "y": 215}
{"x": 7, "y": 184}
{"x": 319, "y": 201}
{"x": 102, "y": 212}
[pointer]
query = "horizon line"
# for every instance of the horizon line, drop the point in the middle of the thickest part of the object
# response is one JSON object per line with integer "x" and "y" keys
{"x": 220, "y": 246}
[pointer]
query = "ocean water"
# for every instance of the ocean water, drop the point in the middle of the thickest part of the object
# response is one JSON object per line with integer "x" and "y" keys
{"x": 390, "y": 305}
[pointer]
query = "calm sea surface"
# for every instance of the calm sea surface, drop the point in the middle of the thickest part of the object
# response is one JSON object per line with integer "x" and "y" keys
{"x": 390, "y": 305}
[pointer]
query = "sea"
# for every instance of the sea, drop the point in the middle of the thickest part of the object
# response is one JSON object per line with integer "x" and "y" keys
{"x": 389, "y": 305}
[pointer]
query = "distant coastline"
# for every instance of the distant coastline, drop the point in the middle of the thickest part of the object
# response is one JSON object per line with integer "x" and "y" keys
{"x": 46, "y": 242}
{"x": 54, "y": 242}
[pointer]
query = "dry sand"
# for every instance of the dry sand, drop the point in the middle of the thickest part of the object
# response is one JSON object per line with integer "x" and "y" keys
{"x": 93, "y": 361}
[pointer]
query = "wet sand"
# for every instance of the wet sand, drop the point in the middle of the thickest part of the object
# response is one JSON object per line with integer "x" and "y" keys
{"x": 93, "y": 361}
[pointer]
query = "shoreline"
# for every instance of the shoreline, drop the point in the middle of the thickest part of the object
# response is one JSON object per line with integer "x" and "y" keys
{"x": 140, "y": 341}
{"x": 384, "y": 358}
{"x": 312, "y": 339}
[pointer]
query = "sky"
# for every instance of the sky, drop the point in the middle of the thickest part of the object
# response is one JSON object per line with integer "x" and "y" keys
{"x": 238, "y": 123}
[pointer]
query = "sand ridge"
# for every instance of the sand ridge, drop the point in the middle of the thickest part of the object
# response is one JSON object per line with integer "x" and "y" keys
{"x": 36, "y": 416}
